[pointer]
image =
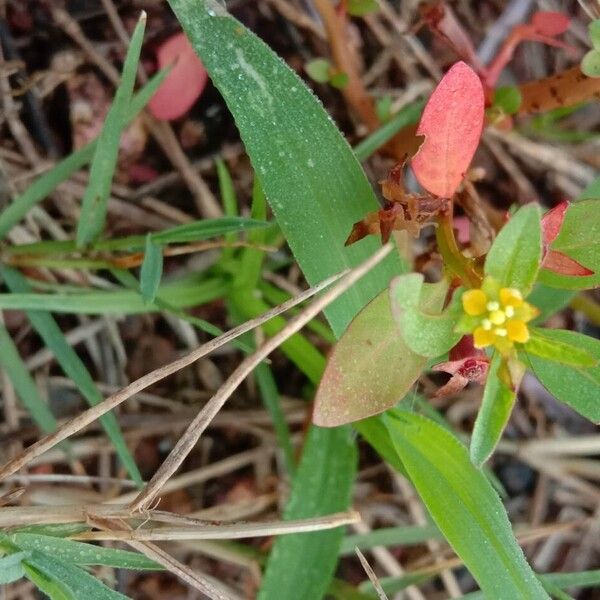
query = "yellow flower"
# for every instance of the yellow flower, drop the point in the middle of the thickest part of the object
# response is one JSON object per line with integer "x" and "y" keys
{"x": 496, "y": 316}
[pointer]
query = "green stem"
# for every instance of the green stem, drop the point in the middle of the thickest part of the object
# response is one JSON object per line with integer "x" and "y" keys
{"x": 453, "y": 258}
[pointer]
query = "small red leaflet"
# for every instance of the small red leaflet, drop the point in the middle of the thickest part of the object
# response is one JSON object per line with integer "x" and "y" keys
{"x": 451, "y": 123}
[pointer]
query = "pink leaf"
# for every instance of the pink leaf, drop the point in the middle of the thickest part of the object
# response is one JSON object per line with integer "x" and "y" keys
{"x": 552, "y": 222}
{"x": 564, "y": 265}
{"x": 185, "y": 82}
{"x": 451, "y": 123}
{"x": 550, "y": 23}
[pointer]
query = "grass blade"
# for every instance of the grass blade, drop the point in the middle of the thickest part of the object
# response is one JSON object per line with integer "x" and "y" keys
{"x": 95, "y": 199}
{"x": 151, "y": 270}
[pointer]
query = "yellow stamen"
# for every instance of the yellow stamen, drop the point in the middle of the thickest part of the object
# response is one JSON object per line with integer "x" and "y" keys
{"x": 486, "y": 324}
{"x": 474, "y": 302}
{"x": 500, "y": 332}
{"x": 517, "y": 331}
{"x": 492, "y": 306}
{"x": 509, "y": 311}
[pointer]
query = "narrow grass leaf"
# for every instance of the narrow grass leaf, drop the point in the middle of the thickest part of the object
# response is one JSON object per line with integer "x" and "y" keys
{"x": 47, "y": 328}
{"x": 578, "y": 387}
{"x": 151, "y": 270}
{"x": 48, "y": 585}
{"x": 95, "y": 199}
{"x": 180, "y": 293}
{"x": 47, "y": 183}
{"x": 391, "y": 536}
{"x": 464, "y": 506}
{"x": 496, "y": 407}
{"x": 24, "y": 385}
{"x": 514, "y": 258}
{"x": 301, "y": 566}
{"x": 78, "y": 553}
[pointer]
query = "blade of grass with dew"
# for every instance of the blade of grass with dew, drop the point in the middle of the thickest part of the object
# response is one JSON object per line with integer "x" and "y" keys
{"x": 408, "y": 115}
{"x": 79, "y": 553}
{"x": 317, "y": 191}
{"x": 47, "y": 183}
{"x": 151, "y": 271}
{"x": 75, "y": 582}
{"x": 95, "y": 199}
{"x": 47, "y": 328}
{"x": 24, "y": 385}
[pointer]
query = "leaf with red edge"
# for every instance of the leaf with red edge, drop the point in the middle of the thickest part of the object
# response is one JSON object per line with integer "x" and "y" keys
{"x": 451, "y": 123}
{"x": 554, "y": 260}
{"x": 369, "y": 370}
{"x": 185, "y": 82}
{"x": 550, "y": 23}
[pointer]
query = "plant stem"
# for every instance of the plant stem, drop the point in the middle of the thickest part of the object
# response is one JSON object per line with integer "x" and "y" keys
{"x": 453, "y": 258}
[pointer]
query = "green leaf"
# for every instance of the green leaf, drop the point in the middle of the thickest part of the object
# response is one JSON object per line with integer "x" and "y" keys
{"x": 369, "y": 370}
{"x": 464, "y": 505}
{"x": 391, "y": 536}
{"x": 151, "y": 270}
{"x": 496, "y": 406}
{"x": 359, "y": 8}
{"x": 318, "y": 69}
{"x": 579, "y": 238}
{"x": 48, "y": 182}
{"x": 339, "y": 80}
{"x": 514, "y": 258}
{"x": 377, "y": 435}
{"x": 95, "y": 199}
{"x": 508, "y": 98}
{"x": 416, "y": 309}
{"x": 50, "y": 586}
{"x": 578, "y": 387}
{"x": 11, "y": 568}
{"x": 549, "y": 301}
{"x": 594, "y": 31}
{"x": 561, "y": 352}
{"x": 45, "y": 325}
{"x": 590, "y": 64}
{"x": 22, "y": 381}
{"x": 180, "y": 293}
{"x": 79, "y": 553}
{"x": 73, "y": 581}
{"x": 301, "y": 566}
{"x": 307, "y": 170}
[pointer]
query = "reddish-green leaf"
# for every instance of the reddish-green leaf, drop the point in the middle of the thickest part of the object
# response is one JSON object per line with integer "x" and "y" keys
{"x": 369, "y": 370}
{"x": 451, "y": 123}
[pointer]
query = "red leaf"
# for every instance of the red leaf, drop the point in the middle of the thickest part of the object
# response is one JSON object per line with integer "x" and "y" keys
{"x": 451, "y": 123}
{"x": 552, "y": 222}
{"x": 183, "y": 85}
{"x": 550, "y": 23}
{"x": 564, "y": 265}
